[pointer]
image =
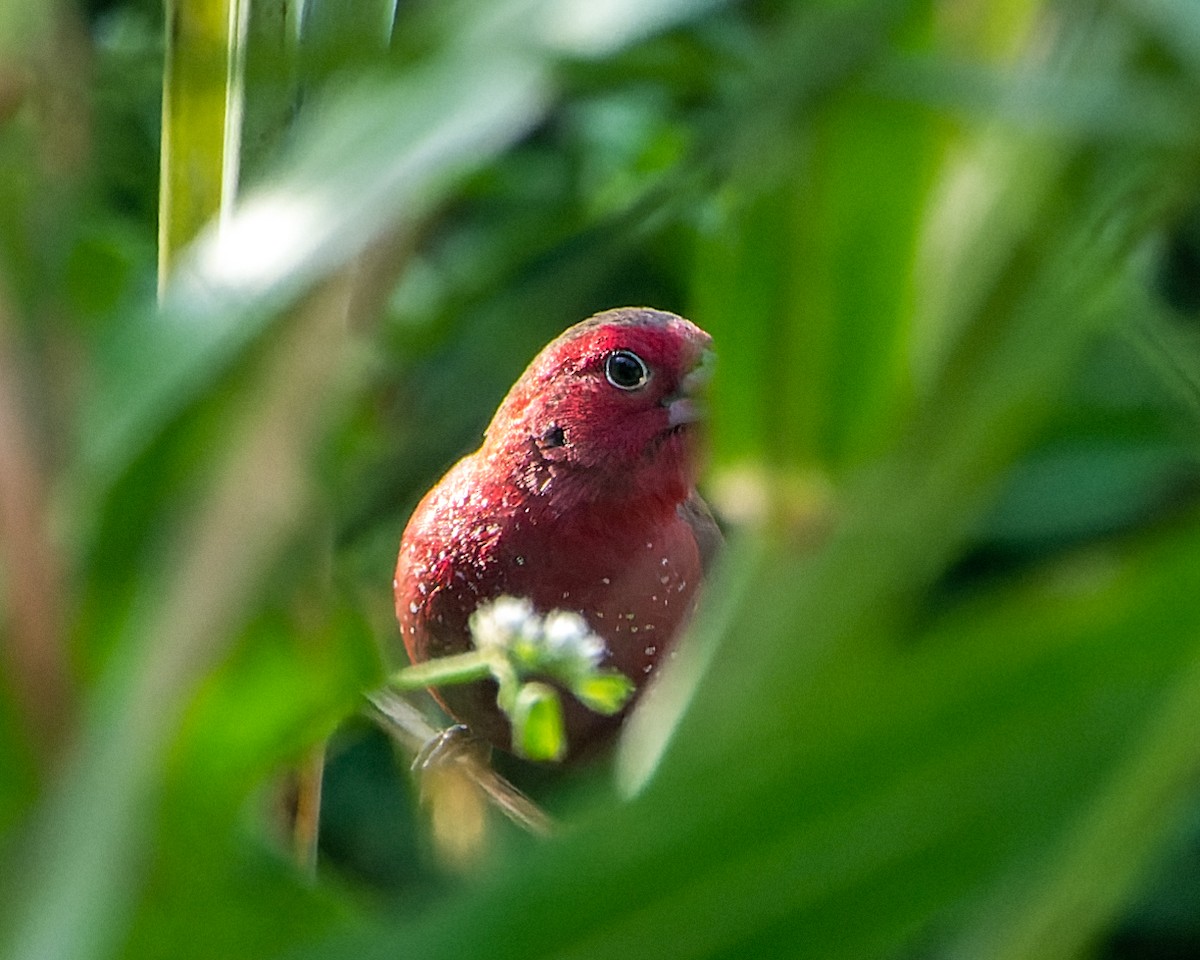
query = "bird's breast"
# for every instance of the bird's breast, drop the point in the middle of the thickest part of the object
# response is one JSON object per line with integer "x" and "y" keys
{"x": 634, "y": 583}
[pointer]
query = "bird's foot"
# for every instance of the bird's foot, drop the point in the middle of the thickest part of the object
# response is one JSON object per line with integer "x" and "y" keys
{"x": 454, "y": 744}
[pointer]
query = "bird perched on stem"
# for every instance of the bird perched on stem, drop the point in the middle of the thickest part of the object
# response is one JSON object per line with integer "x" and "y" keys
{"x": 581, "y": 498}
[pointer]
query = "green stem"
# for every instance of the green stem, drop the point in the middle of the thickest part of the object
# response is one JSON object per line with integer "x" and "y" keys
{"x": 195, "y": 129}
{"x": 443, "y": 671}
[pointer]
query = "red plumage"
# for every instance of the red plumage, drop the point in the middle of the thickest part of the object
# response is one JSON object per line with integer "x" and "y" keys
{"x": 581, "y": 498}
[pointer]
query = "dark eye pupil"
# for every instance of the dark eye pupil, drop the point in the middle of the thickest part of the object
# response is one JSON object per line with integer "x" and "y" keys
{"x": 626, "y": 370}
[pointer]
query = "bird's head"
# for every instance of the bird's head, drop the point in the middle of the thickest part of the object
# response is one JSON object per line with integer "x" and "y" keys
{"x": 611, "y": 405}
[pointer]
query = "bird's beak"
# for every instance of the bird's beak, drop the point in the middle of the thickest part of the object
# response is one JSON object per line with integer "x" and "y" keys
{"x": 685, "y": 406}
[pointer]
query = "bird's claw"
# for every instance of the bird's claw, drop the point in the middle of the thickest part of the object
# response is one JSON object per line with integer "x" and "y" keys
{"x": 452, "y": 745}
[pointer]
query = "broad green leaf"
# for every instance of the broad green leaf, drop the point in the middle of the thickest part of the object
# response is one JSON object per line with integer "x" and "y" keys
{"x": 365, "y": 161}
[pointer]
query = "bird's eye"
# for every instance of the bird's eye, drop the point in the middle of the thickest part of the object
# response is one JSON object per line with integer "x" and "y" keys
{"x": 625, "y": 370}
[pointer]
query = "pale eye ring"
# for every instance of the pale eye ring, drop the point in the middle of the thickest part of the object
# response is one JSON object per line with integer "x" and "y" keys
{"x": 625, "y": 370}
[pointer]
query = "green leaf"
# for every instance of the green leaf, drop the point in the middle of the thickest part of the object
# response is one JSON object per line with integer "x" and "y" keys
{"x": 605, "y": 691}
{"x": 805, "y": 268}
{"x": 359, "y": 166}
{"x": 909, "y": 225}
{"x": 539, "y": 732}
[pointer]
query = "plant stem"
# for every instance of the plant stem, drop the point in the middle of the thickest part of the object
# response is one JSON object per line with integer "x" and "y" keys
{"x": 444, "y": 671}
{"x": 195, "y": 134}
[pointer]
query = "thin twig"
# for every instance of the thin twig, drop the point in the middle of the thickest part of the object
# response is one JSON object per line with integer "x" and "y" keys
{"x": 404, "y": 723}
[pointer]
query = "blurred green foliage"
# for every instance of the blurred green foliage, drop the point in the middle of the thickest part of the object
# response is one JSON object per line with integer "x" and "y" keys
{"x": 942, "y": 698}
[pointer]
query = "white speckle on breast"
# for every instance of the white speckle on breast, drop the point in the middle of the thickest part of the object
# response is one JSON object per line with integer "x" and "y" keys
{"x": 412, "y": 607}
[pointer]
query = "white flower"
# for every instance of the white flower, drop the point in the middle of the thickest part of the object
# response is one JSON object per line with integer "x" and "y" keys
{"x": 561, "y": 643}
{"x": 562, "y": 630}
{"x": 503, "y": 621}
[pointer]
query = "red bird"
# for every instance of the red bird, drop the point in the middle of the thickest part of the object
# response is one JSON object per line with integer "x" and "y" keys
{"x": 581, "y": 498}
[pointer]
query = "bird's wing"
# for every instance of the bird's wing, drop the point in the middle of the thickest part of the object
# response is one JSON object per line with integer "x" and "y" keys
{"x": 709, "y": 538}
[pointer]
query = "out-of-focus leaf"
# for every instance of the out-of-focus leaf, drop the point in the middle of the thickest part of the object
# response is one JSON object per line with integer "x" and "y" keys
{"x": 805, "y": 274}
{"x": 18, "y": 788}
{"x": 1088, "y": 875}
{"x": 367, "y": 159}
{"x": 1064, "y": 495}
{"x": 81, "y": 863}
{"x": 264, "y": 85}
{"x": 587, "y": 29}
{"x": 914, "y": 780}
{"x": 23, "y": 22}
{"x": 287, "y": 686}
{"x": 1176, "y": 25}
{"x": 343, "y": 35}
